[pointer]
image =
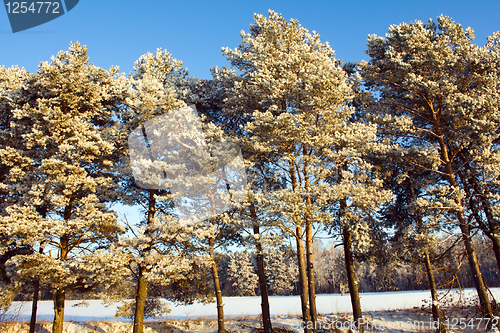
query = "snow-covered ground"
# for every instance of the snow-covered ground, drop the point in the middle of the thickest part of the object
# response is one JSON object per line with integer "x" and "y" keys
{"x": 248, "y": 306}
{"x": 382, "y": 306}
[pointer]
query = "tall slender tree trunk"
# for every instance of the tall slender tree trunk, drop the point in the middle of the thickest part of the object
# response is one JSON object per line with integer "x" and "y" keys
{"x": 351, "y": 277}
{"x": 59, "y": 298}
{"x": 310, "y": 276}
{"x": 142, "y": 283}
{"x": 309, "y": 249}
{"x": 218, "y": 293}
{"x": 301, "y": 262}
{"x": 349, "y": 264}
{"x": 264, "y": 293}
{"x": 34, "y": 304}
{"x": 465, "y": 229}
{"x": 303, "y": 287}
{"x": 140, "y": 301}
{"x": 59, "y": 293}
{"x": 36, "y": 295}
{"x": 437, "y": 315}
{"x": 476, "y": 272}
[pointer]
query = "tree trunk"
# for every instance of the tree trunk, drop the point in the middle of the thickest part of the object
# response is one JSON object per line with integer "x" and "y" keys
{"x": 351, "y": 277}
{"x": 465, "y": 229}
{"x": 34, "y": 304}
{"x": 309, "y": 249}
{"x": 59, "y": 297}
{"x": 264, "y": 293}
{"x": 495, "y": 239}
{"x": 493, "y": 231}
{"x": 142, "y": 284}
{"x": 310, "y": 276}
{"x": 476, "y": 272}
{"x": 59, "y": 293}
{"x": 140, "y": 302}
{"x": 472, "y": 257}
{"x": 437, "y": 315}
{"x": 218, "y": 296}
{"x": 36, "y": 295}
{"x": 303, "y": 285}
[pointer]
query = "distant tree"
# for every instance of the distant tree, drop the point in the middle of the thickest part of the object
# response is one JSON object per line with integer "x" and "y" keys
{"x": 241, "y": 274}
{"x": 281, "y": 271}
{"x": 154, "y": 308}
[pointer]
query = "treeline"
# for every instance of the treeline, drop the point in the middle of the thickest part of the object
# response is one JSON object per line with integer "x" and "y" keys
{"x": 396, "y": 159}
{"x": 239, "y": 276}
{"x": 330, "y": 275}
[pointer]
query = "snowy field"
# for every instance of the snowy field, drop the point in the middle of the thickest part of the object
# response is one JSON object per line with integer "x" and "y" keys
{"x": 384, "y": 306}
{"x": 248, "y": 306}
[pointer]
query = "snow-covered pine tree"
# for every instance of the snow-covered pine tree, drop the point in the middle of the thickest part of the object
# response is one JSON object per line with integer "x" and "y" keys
{"x": 211, "y": 100}
{"x": 67, "y": 113}
{"x": 357, "y": 185}
{"x": 241, "y": 274}
{"x": 293, "y": 86}
{"x": 157, "y": 250}
{"x": 416, "y": 213}
{"x": 13, "y": 162}
{"x": 438, "y": 98}
{"x": 221, "y": 132}
{"x": 297, "y": 95}
{"x": 281, "y": 271}
{"x": 12, "y": 80}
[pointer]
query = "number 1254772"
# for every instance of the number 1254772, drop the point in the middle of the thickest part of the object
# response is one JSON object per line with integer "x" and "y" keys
{"x": 34, "y": 7}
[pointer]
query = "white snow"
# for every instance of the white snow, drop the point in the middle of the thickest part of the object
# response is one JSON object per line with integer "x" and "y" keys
{"x": 247, "y": 306}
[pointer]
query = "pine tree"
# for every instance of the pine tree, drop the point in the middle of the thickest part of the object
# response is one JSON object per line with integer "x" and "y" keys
{"x": 297, "y": 95}
{"x": 241, "y": 274}
{"x": 281, "y": 271}
{"x": 211, "y": 98}
{"x": 158, "y": 250}
{"x": 415, "y": 214}
{"x": 438, "y": 98}
{"x": 66, "y": 112}
{"x": 221, "y": 127}
{"x": 14, "y": 161}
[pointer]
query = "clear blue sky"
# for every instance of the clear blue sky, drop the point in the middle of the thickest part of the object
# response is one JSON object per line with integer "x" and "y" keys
{"x": 118, "y": 32}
